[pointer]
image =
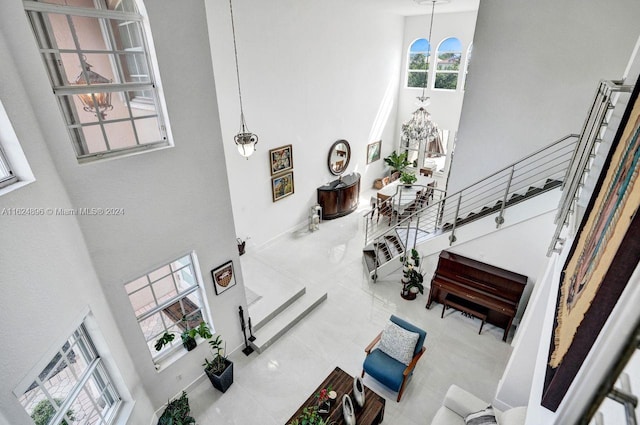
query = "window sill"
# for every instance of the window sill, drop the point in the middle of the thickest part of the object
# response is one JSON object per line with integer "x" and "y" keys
{"x": 15, "y": 186}
{"x": 173, "y": 355}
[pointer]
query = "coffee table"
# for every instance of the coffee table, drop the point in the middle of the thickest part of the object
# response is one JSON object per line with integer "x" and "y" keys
{"x": 341, "y": 382}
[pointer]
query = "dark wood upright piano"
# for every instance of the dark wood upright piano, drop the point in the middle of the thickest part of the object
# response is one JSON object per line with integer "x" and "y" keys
{"x": 491, "y": 290}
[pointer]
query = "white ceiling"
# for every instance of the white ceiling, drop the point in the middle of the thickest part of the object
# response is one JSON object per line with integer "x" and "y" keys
{"x": 410, "y": 7}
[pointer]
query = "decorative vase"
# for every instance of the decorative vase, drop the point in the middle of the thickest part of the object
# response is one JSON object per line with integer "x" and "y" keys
{"x": 347, "y": 410}
{"x": 324, "y": 407}
{"x": 358, "y": 391}
{"x": 189, "y": 343}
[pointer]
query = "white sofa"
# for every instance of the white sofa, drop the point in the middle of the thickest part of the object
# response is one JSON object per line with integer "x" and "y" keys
{"x": 458, "y": 403}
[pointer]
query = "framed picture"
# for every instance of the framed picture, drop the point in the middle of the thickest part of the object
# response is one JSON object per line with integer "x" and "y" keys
{"x": 603, "y": 256}
{"x": 223, "y": 277}
{"x": 281, "y": 159}
{"x": 373, "y": 151}
{"x": 282, "y": 186}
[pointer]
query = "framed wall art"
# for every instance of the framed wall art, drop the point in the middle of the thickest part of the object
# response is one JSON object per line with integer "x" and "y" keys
{"x": 282, "y": 186}
{"x": 373, "y": 151}
{"x": 223, "y": 277}
{"x": 281, "y": 159}
{"x": 604, "y": 254}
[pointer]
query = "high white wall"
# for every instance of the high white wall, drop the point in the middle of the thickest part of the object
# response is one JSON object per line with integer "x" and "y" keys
{"x": 311, "y": 73}
{"x": 446, "y": 105}
{"x": 534, "y": 72}
{"x": 175, "y": 200}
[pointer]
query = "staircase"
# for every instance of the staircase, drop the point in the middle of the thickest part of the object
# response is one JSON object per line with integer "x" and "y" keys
{"x": 562, "y": 164}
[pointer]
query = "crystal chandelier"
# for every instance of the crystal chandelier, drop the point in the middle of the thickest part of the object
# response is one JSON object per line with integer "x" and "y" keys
{"x": 421, "y": 130}
{"x": 245, "y": 140}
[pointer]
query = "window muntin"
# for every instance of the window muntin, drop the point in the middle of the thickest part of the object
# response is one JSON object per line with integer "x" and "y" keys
{"x": 448, "y": 64}
{"x": 104, "y": 37}
{"x": 6, "y": 174}
{"x": 74, "y": 387}
{"x": 418, "y": 63}
{"x": 162, "y": 297}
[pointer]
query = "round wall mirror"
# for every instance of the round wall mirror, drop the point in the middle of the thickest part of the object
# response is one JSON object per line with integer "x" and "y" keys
{"x": 339, "y": 156}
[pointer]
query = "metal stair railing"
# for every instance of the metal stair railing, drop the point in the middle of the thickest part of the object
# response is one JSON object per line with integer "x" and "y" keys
{"x": 494, "y": 193}
{"x": 592, "y": 132}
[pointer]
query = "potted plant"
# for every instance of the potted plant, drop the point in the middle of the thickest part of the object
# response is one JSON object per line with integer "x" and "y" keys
{"x": 177, "y": 412}
{"x": 408, "y": 178}
{"x": 219, "y": 369}
{"x": 188, "y": 336}
{"x": 412, "y": 277}
{"x": 397, "y": 162}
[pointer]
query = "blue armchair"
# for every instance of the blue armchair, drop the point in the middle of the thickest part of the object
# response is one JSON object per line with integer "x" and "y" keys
{"x": 386, "y": 369}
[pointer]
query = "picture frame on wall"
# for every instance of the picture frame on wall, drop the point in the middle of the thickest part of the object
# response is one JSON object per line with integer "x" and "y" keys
{"x": 373, "y": 151}
{"x": 223, "y": 277}
{"x": 281, "y": 159}
{"x": 603, "y": 256}
{"x": 282, "y": 186}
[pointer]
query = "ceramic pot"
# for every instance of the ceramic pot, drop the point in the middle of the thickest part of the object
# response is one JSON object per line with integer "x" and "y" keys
{"x": 358, "y": 391}
{"x": 347, "y": 410}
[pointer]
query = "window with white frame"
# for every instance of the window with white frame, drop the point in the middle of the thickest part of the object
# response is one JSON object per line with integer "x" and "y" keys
{"x": 418, "y": 63}
{"x": 74, "y": 387}
{"x": 101, "y": 70}
{"x": 6, "y": 174}
{"x": 168, "y": 299}
{"x": 448, "y": 64}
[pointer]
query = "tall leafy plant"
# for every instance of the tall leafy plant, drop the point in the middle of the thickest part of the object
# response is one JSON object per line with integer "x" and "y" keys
{"x": 397, "y": 162}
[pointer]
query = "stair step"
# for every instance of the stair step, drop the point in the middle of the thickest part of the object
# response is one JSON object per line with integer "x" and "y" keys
{"x": 280, "y": 323}
{"x": 273, "y": 312}
{"x": 369, "y": 259}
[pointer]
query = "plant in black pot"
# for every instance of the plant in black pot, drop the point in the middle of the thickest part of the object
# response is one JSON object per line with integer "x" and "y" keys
{"x": 412, "y": 278}
{"x": 408, "y": 178}
{"x": 177, "y": 412}
{"x": 188, "y": 336}
{"x": 219, "y": 369}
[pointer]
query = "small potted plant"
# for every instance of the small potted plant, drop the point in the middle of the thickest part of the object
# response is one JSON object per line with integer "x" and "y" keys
{"x": 188, "y": 336}
{"x": 408, "y": 178}
{"x": 412, "y": 277}
{"x": 219, "y": 369}
{"x": 177, "y": 412}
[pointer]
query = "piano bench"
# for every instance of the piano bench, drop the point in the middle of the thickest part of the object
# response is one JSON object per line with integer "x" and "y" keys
{"x": 465, "y": 306}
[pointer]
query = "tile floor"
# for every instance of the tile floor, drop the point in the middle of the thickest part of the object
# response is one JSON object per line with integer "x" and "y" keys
{"x": 268, "y": 388}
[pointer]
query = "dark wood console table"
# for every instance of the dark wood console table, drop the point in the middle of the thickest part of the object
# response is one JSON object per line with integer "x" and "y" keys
{"x": 372, "y": 413}
{"x": 482, "y": 290}
{"x": 339, "y": 197}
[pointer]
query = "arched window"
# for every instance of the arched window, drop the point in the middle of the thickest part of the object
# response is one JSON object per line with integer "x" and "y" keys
{"x": 448, "y": 64}
{"x": 418, "y": 67}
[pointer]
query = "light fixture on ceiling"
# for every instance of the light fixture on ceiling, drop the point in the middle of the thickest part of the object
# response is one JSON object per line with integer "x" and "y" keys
{"x": 96, "y": 103}
{"x": 420, "y": 129}
{"x": 245, "y": 140}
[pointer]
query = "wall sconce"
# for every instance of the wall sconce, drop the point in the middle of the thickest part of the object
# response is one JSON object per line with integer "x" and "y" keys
{"x": 96, "y": 103}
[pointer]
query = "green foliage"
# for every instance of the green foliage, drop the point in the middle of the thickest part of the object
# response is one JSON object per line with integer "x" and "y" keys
{"x": 44, "y": 411}
{"x": 218, "y": 363}
{"x": 448, "y": 81}
{"x": 397, "y": 162}
{"x": 310, "y": 416}
{"x": 408, "y": 178}
{"x": 417, "y": 79}
{"x": 412, "y": 273}
{"x": 177, "y": 412}
{"x": 202, "y": 330}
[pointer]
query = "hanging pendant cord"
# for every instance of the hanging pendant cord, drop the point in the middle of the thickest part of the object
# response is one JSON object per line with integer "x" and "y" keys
{"x": 433, "y": 8}
{"x": 235, "y": 52}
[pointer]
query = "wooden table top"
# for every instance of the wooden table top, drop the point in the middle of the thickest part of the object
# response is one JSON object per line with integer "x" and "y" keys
{"x": 342, "y": 383}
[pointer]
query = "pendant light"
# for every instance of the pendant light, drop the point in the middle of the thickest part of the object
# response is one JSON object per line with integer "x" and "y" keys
{"x": 245, "y": 140}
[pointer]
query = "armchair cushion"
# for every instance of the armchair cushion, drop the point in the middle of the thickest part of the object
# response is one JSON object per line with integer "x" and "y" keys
{"x": 385, "y": 369}
{"x": 398, "y": 343}
{"x": 462, "y": 402}
{"x": 411, "y": 328}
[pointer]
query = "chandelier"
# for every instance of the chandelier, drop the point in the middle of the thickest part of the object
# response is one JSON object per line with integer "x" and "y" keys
{"x": 245, "y": 140}
{"x": 421, "y": 130}
{"x": 96, "y": 103}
